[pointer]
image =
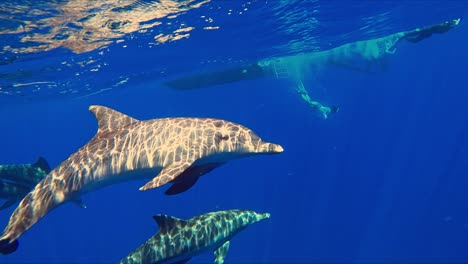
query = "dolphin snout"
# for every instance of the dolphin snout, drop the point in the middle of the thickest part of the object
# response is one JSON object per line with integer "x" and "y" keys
{"x": 270, "y": 148}
{"x": 263, "y": 216}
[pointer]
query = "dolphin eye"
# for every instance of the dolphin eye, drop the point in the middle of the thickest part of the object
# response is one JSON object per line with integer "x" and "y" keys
{"x": 219, "y": 137}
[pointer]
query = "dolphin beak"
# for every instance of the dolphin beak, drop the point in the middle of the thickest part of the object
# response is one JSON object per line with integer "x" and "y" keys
{"x": 261, "y": 217}
{"x": 270, "y": 148}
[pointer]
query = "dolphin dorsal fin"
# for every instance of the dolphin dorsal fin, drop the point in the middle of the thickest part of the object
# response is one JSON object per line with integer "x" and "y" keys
{"x": 166, "y": 222}
{"x": 42, "y": 164}
{"x": 109, "y": 119}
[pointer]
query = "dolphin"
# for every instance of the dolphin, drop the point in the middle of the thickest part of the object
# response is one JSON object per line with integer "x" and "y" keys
{"x": 17, "y": 180}
{"x": 12, "y": 192}
{"x": 25, "y": 173}
{"x": 179, "y": 240}
{"x": 125, "y": 148}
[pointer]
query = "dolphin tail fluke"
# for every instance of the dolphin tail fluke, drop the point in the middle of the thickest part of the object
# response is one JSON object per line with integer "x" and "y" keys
{"x": 8, "y": 247}
{"x": 221, "y": 252}
{"x": 7, "y": 204}
{"x": 42, "y": 164}
{"x": 33, "y": 207}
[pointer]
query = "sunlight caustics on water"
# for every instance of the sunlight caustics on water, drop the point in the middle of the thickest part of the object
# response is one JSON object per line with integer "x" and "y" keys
{"x": 81, "y": 27}
{"x": 60, "y": 48}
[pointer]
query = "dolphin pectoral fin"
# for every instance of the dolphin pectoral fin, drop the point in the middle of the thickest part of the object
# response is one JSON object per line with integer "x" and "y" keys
{"x": 189, "y": 177}
{"x": 221, "y": 252}
{"x": 182, "y": 186}
{"x": 78, "y": 201}
{"x": 7, "y": 204}
{"x": 167, "y": 174}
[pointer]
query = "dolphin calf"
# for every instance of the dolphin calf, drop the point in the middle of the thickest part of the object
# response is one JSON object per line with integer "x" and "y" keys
{"x": 17, "y": 180}
{"x": 166, "y": 150}
{"x": 177, "y": 240}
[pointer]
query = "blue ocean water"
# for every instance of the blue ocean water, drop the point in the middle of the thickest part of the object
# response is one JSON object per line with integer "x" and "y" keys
{"x": 382, "y": 180}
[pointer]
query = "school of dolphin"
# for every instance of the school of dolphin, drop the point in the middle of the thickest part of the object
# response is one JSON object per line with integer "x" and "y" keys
{"x": 175, "y": 151}
{"x": 165, "y": 150}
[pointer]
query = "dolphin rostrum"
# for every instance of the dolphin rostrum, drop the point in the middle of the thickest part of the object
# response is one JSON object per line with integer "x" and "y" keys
{"x": 17, "y": 180}
{"x": 168, "y": 150}
{"x": 179, "y": 240}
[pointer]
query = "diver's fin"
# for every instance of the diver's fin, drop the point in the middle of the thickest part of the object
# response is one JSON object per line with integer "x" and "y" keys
{"x": 42, "y": 164}
{"x": 8, "y": 203}
{"x": 334, "y": 109}
{"x": 221, "y": 252}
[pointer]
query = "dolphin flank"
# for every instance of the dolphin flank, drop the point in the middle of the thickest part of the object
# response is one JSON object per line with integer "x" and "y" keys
{"x": 179, "y": 240}
{"x": 165, "y": 150}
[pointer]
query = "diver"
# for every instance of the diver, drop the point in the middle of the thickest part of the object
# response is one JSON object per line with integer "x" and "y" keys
{"x": 363, "y": 56}
{"x": 322, "y": 110}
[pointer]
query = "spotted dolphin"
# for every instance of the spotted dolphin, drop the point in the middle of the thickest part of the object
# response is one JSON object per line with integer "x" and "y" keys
{"x": 177, "y": 240}
{"x": 17, "y": 180}
{"x": 12, "y": 192}
{"x": 25, "y": 173}
{"x": 166, "y": 150}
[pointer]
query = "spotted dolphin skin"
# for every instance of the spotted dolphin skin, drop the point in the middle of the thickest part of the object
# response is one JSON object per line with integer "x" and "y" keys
{"x": 17, "y": 180}
{"x": 179, "y": 240}
{"x": 166, "y": 150}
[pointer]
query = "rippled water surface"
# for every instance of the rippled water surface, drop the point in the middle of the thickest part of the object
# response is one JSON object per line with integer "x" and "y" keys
{"x": 53, "y": 49}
